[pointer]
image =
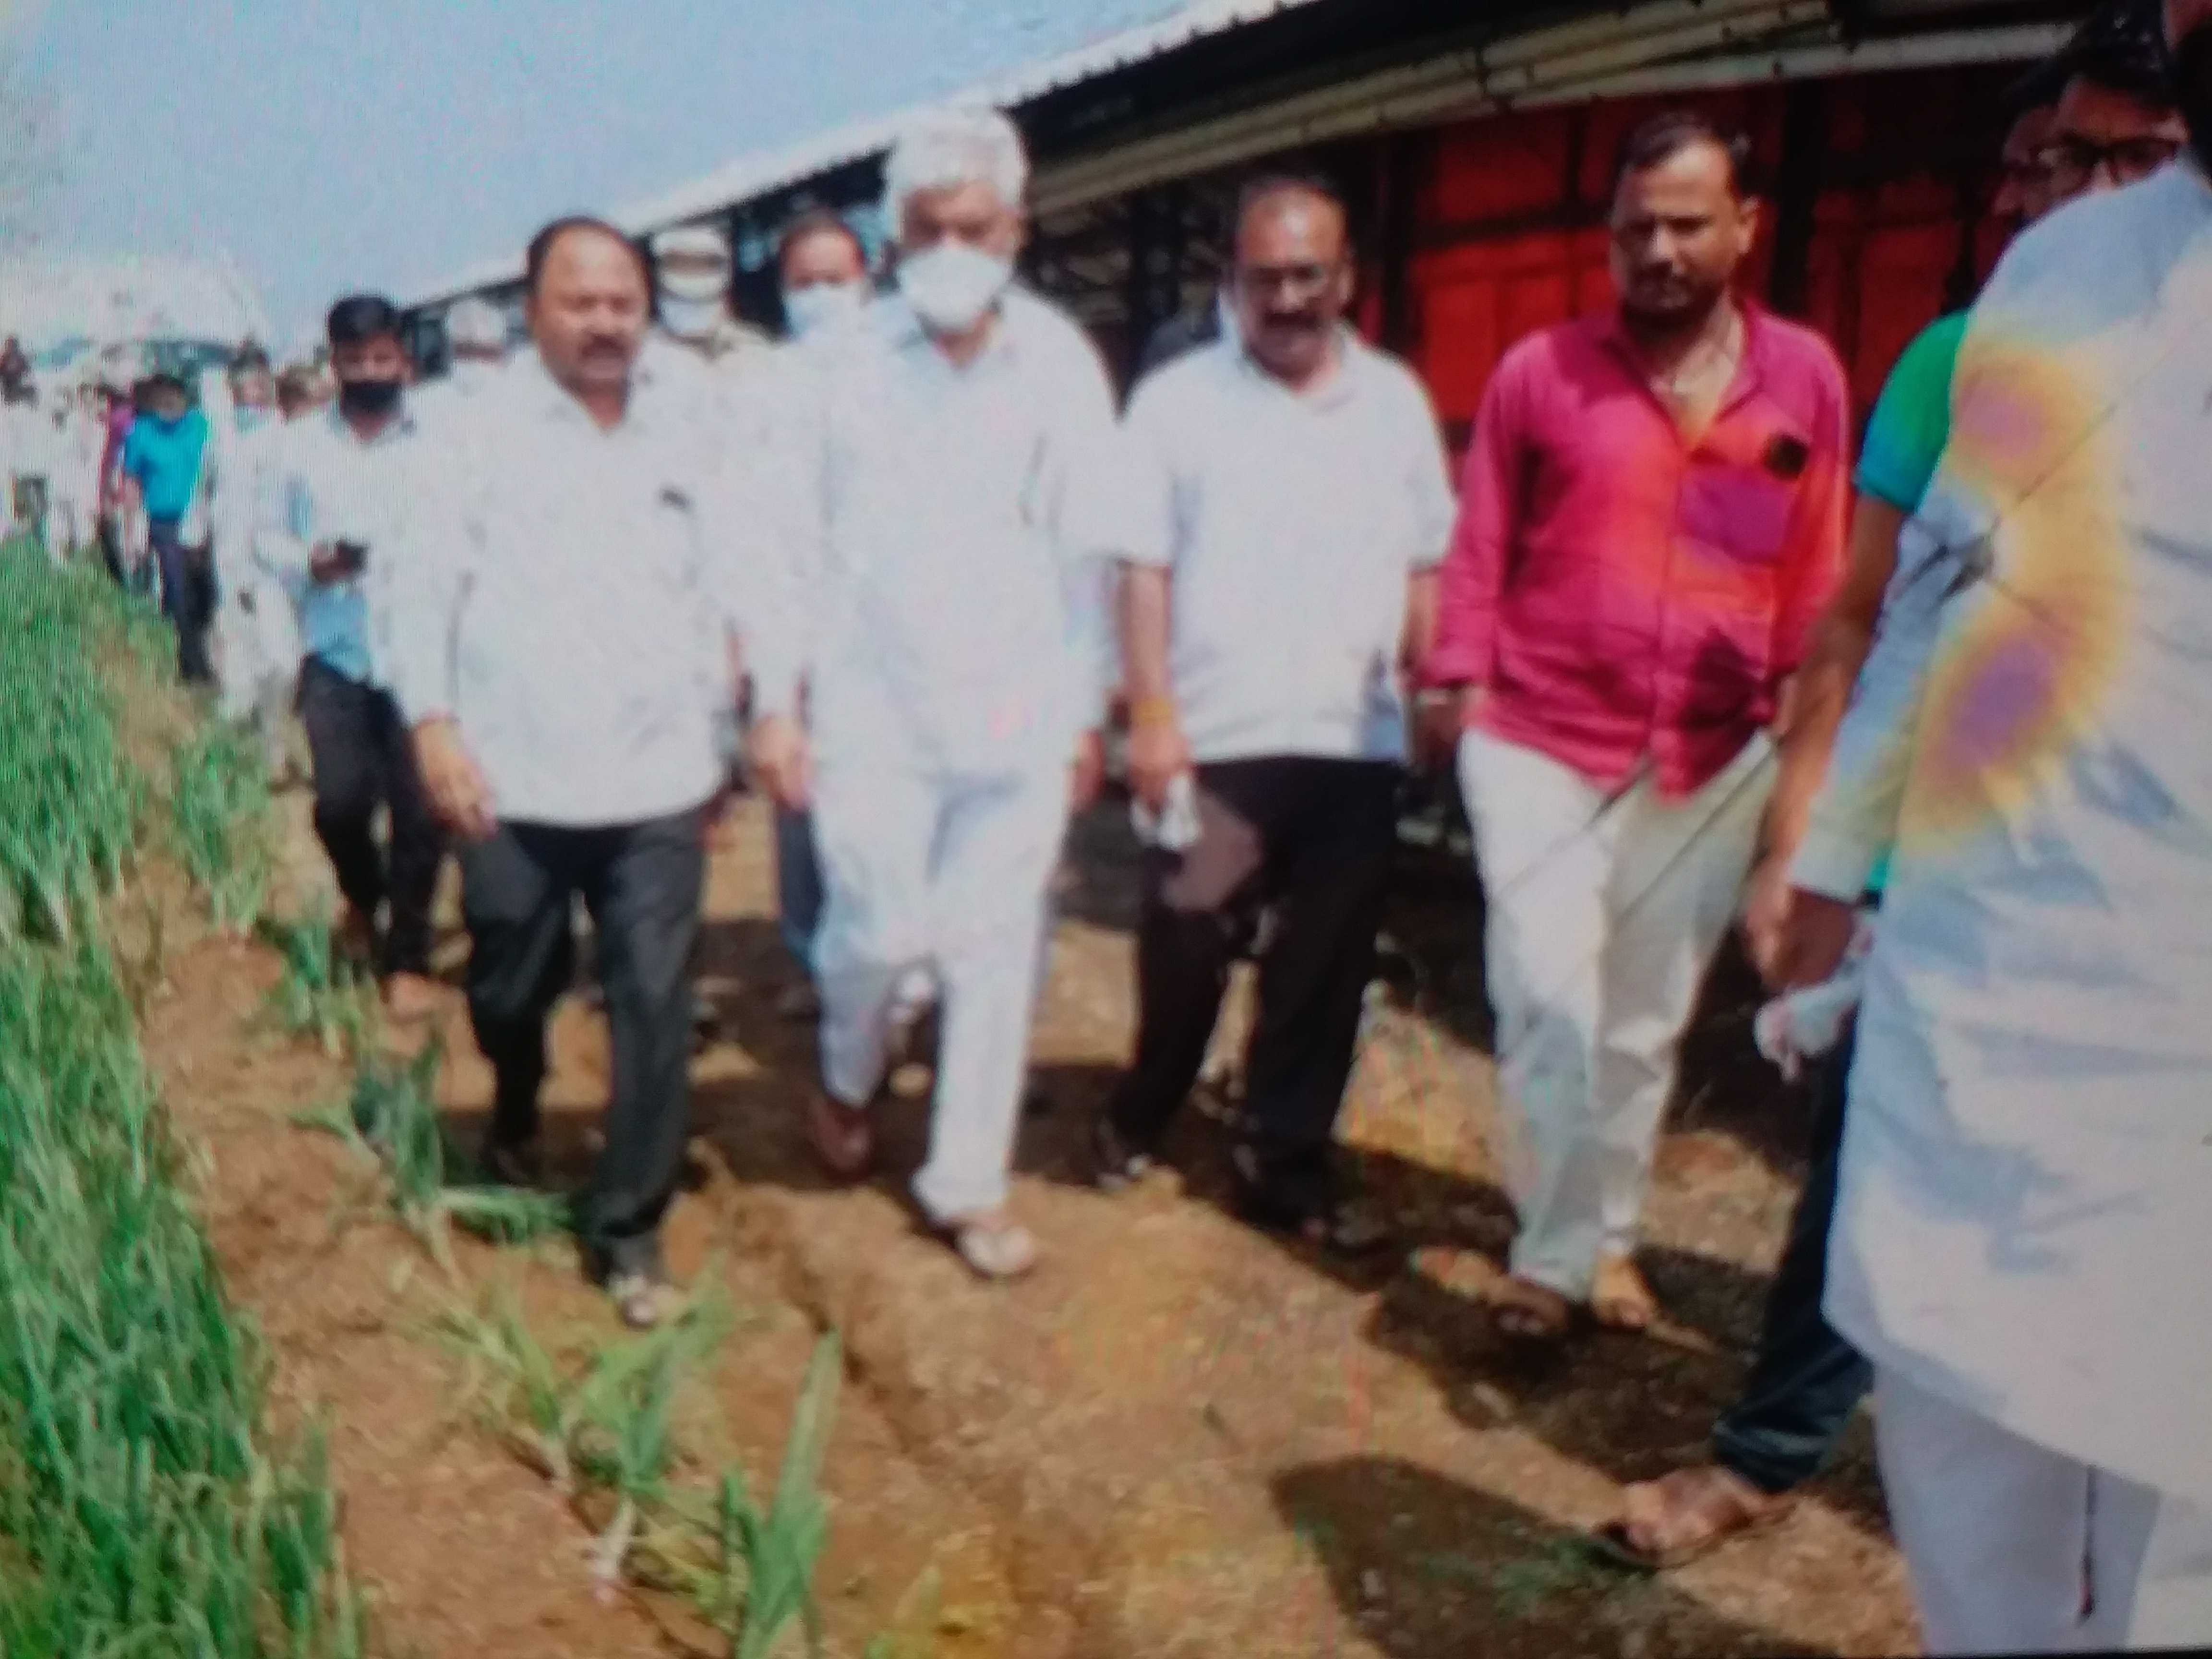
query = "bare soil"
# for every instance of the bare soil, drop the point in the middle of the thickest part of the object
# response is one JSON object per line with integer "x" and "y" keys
{"x": 1178, "y": 1438}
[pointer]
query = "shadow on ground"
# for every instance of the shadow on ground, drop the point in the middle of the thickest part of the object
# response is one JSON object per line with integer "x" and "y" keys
{"x": 1431, "y": 1569}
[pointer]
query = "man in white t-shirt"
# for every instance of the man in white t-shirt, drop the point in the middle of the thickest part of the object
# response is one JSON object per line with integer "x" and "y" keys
{"x": 1289, "y": 505}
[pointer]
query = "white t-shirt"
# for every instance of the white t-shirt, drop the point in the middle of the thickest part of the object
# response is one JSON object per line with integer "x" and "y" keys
{"x": 1291, "y": 522}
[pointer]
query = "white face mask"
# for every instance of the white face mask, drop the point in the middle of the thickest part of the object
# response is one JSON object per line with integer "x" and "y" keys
{"x": 952, "y": 285}
{"x": 820, "y": 307}
{"x": 689, "y": 319}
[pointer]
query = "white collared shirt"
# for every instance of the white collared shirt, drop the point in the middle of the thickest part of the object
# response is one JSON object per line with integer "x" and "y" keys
{"x": 1291, "y": 522}
{"x": 2025, "y": 1195}
{"x": 566, "y": 603}
{"x": 317, "y": 482}
{"x": 947, "y": 539}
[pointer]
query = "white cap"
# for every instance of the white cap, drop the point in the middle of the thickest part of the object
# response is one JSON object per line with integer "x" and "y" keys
{"x": 476, "y": 324}
{"x": 690, "y": 242}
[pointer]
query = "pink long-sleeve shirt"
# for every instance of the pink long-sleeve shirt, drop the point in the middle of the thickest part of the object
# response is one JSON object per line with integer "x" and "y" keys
{"x": 1626, "y": 598}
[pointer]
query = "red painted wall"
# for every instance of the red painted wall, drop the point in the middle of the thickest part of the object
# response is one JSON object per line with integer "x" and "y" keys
{"x": 1509, "y": 238}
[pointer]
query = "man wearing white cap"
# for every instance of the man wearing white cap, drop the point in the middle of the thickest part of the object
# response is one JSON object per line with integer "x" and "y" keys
{"x": 950, "y": 484}
{"x": 691, "y": 301}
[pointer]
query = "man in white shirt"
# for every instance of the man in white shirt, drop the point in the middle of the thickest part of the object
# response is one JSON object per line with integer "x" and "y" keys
{"x": 2021, "y": 1228}
{"x": 336, "y": 497}
{"x": 1288, "y": 506}
{"x": 949, "y": 513}
{"x": 256, "y": 636}
{"x": 552, "y": 660}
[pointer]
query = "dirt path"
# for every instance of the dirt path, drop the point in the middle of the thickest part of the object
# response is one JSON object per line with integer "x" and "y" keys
{"x": 1178, "y": 1439}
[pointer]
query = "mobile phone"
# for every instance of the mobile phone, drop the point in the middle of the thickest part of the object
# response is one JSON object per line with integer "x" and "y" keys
{"x": 353, "y": 555}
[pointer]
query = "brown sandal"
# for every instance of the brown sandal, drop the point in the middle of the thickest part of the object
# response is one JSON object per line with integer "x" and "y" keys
{"x": 1680, "y": 1516}
{"x": 843, "y": 1138}
{"x": 1620, "y": 1299}
{"x": 1529, "y": 1312}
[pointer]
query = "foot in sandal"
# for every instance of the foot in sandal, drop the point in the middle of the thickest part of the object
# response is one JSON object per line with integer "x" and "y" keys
{"x": 1620, "y": 1299}
{"x": 1529, "y": 1312}
{"x": 842, "y": 1137}
{"x": 992, "y": 1243}
{"x": 1680, "y": 1516}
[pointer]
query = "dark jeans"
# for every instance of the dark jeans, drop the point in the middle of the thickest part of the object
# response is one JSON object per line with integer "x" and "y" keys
{"x": 1311, "y": 840}
{"x": 798, "y": 885}
{"x": 642, "y": 884}
{"x": 187, "y": 597}
{"x": 363, "y": 760}
{"x": 1806, "y": 1380}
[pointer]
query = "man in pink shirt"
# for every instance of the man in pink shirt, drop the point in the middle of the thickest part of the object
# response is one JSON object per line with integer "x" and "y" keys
{"x": 1652, "y": 515}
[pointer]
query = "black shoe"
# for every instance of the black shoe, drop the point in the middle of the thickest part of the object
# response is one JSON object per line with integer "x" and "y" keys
{"x": 1114, "y": 1163}
{"x": 1304, "y": 1209}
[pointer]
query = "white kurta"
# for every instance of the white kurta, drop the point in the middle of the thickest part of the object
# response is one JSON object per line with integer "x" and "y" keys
{"x": 948, "y": 552}
{"x": 2026, "y": 1190}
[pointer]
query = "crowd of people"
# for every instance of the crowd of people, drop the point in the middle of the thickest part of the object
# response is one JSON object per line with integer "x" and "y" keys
{"x": 1911, "y": 706}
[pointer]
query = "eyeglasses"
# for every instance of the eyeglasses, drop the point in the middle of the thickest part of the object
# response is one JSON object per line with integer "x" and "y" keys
{"x": 2073, "y": 162}
{"x": 1298, "y": 285}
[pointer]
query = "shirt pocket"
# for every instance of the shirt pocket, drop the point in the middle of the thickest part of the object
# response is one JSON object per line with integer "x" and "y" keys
{"x": 1739, "y": 513}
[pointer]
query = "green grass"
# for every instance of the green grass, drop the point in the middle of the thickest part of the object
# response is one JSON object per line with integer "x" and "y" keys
{"x": 603, "y": 1423}
{"x": 319, "y": 993}
{"x": 392, "y": 1115}
{"x": 221, "y": 806}
{"x": 141, "y": 1510}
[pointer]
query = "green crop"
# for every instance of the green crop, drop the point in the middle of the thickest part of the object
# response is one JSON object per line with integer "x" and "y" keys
{"x": 320, "y": 993}
{"x": 221, "y": 805}
{"x": 140, "y": 1510}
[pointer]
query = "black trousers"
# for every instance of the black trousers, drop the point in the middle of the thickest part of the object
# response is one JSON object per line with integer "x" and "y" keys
{"x": 1311, "y": 839}
{"x": 1806, "y": 1380}
{"x": 187, "y": 597}
{"x": 363, "y": 760}
{"x": 642, "y": 884}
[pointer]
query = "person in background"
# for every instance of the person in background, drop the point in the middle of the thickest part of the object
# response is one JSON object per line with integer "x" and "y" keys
{"x": 476, "y": 334}
{"x": 822, "y": 270}
{"x": 549, "y": 661}
{"x": 337, "y": 504}
{"x": 2018, "y": 1236}
{"x": 257, "y": 633}
{"x": 949, "y": 498}
{"x": 692, "y": 275}
{"x": 297, "y": 392}
{"x": 1652, "y": 517}
{"x": 2115, "y": 122}
{"x": 160, "y": 465}
{"x": 476, "y": 345}
{"x": 1288, "y": 505}
{"x": 1805, "y": 1381}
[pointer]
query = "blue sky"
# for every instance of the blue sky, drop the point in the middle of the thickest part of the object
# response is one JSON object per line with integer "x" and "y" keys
{"x": 338, "y": 145}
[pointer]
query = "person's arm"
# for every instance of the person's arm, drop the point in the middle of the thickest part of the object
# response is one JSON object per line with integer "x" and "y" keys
{"x": 1158, "y": 751}
{"x": 1471, "y": 581}
{"x": 1427, "y": 484}
{"x": 771, "y": 565}
{"x": 425, "y": 588}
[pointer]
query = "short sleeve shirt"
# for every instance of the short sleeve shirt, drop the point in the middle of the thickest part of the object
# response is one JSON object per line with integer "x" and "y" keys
{"x": 1911, "y": 420}
{"x": 1291, "y": 523}
{"x": 164, "y": 459}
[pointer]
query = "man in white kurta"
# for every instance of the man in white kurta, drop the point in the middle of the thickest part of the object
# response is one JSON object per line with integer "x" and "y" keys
{"x": 952, "y": 460}
{"x": 2025, "y": 1203}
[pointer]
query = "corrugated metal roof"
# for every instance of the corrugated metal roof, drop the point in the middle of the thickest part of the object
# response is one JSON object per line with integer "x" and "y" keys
{"x": 760, "y": 171}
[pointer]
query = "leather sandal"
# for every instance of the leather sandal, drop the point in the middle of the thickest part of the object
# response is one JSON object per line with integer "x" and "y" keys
{"x": 843, "y": 1136}
{"x": 1526, "y": 1311}
{"x": 1678, "y": 1517}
